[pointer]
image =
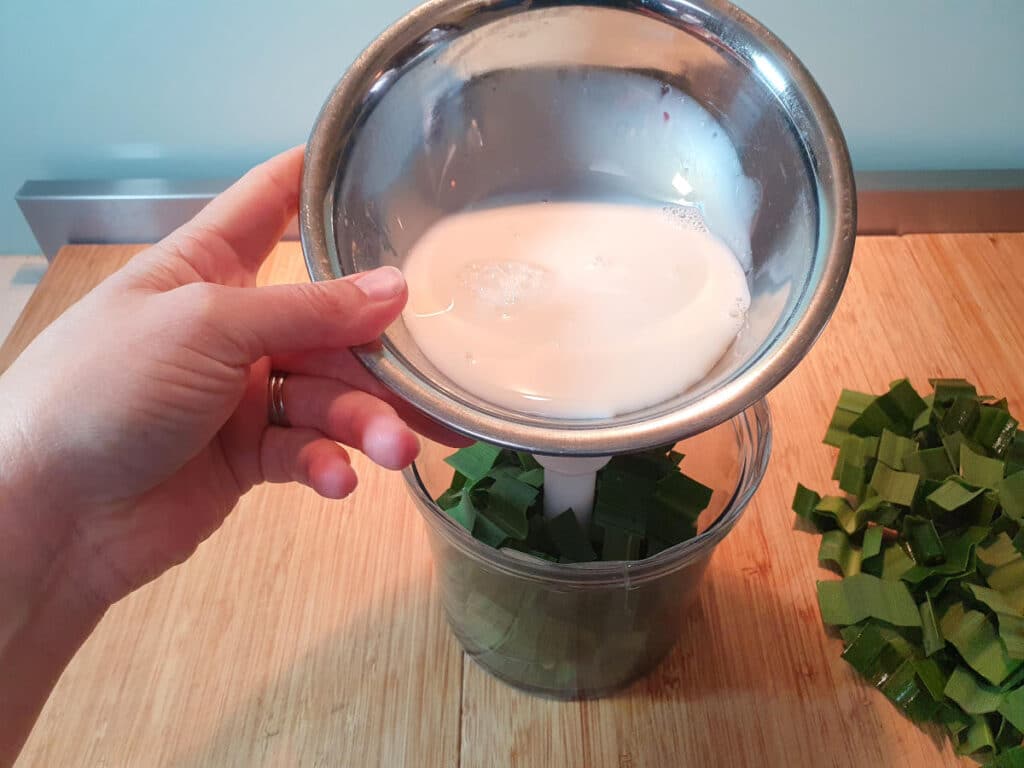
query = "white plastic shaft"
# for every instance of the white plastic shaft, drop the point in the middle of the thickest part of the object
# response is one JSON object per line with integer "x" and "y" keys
{"x": 569, "y": 483}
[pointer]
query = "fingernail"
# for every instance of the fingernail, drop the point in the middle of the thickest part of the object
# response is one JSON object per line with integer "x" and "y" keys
{"x": 381, "y": 284}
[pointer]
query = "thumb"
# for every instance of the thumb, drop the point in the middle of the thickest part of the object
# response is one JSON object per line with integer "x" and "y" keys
{"x": 282, "y": 319}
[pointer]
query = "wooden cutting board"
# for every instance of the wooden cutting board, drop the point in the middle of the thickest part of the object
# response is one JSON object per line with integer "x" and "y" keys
{"x": 307, "y": 632}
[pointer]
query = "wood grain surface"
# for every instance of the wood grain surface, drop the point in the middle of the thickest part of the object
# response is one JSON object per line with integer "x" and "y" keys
{"x": 308, "y": 632}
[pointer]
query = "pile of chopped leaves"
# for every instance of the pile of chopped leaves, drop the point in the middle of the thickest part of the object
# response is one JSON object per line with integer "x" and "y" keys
{"x": 643, "y": 504}
{"x": 929, "y": 540}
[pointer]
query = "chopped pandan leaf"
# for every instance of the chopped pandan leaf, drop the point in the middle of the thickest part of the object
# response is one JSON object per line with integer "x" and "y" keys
{"x": 924, "y": 418}
{"x": 979, "y": 470}
{"x": 947, "y": 390}
{"x": 862, "y": 596}
{"x": 961, "y": 416}
{"x": 888, "y": 662}
{"x": 889, "y": 565}
{"x": 896, "y": 410}
{"x": 1011, "y": 758}
{"x": 893, "y": 449}
{"x": 532, "y": 477}
{"x": 893, "y": 486}
{"x": 880, "y": 512}
{"x": 669, "y": 525}
{"x": 488, "y": 532}
{"x": 851, "y": 405}
{"x": 1012, "y": 707}
{"x": 1015, "y": 454}
{"x": 931, "y": 634}
{"x": 835, "y": 510}
{"x": 836, "y": 548}
{"x": 619, "y": 501}
{"x": 929, "y": 463}
{"x": 1011, "y": 496}
{"x": 959, "y": 550}
{"x": 974, "y": 636}
{"x": 683, "y": 494}
{"x": 975, "y": 696}
{"x": 1003, "y": 568}
{"x": 463, "y": 512}
{"x": 570, "y": 538}
{"x": 977, "y": 738}
{"x": 527, "y": 461}
{"x": 872, "y": 543}
{"x": 953, "y": 500}
{"x": 804, "y": 502}
{"x": 474, "y": 461}
{"x": 508, "y": 499}
{"x": 621, "y": 545}
{"x": 995, "y": 429}
{"x": 923, "y": 541}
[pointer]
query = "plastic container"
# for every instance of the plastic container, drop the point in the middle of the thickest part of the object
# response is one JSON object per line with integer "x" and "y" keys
{"x": 583, "y": 631}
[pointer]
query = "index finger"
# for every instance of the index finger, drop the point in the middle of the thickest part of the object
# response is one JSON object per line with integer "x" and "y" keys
{"x": 228, "y": 240}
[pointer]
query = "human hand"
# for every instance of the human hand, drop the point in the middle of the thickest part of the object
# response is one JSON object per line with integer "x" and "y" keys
{"x": 133, "y": 424}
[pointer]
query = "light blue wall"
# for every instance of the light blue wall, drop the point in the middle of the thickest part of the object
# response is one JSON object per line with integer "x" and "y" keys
{"x": 201, "y": 88}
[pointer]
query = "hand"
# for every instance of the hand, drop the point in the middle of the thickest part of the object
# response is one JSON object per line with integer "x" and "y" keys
{"x": 132, "y": 425}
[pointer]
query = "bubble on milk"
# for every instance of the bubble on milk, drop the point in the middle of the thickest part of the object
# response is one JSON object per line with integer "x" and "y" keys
{"x": 686, "y": 217}
{"x": 739, "y": 307}
{"x": 503, "y": 284}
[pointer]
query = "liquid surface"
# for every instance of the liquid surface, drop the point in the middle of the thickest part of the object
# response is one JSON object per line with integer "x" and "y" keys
{"x": 574, "y": 309}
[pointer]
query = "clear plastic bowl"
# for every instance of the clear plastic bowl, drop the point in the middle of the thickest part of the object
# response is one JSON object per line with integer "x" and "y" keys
{"x": 583, "y": 631}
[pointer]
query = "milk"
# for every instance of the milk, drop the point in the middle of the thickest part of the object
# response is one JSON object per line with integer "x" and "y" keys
{"x": 574, "y": 310}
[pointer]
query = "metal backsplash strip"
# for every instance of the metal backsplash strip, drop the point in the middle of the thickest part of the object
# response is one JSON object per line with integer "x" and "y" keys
{"x": 144, "y": 210}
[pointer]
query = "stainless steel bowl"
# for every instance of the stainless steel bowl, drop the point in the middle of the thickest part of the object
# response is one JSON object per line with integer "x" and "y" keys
{"x": 467, "y": 101}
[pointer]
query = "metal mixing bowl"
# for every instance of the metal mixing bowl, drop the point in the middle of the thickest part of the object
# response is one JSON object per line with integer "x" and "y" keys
{"x": 464, "y": 102}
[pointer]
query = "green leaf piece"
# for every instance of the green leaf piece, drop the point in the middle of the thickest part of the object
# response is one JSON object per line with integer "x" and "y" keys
{"x": 893, "y": 449}
{"x": 1011, "y": 496}
{"x": 862, "y": 596}
{"x": 621, "y": 545}
{"x": 995, "y": 429}
{"x": 923, "y": 541}
{"x": 618, "y": 504}
{"x": 974, "y": 696}
{"x": 804, "y": 501}
{"x": 947, "y": 390}
{"x": 836, "y": 548}
{"x": 532, "y": 477}
{"x": 931, "y": 635}
{"x": 974, "y": 636}
{"x": 1012, "y": 708}
{"x": 952, "y": 498}
{"x": 979, "y": 470}
{"x": 463, "y": 512}
{"x": 835, "y": 510}
{"x": 683, "y": 494}
{"x": 1003, "y": 568}
{"x": 474, "y": 461}
{"x": 508, "y": 499}
{"x": 929, "y": 463}
{"x": 893, "y": 486}
{"x": 872, "y": 543}
{"x": 961, "y": 416}
{"x": 488, "y": 532}
{"x": 977, "y": 738}
{"x": 570, "y": 538}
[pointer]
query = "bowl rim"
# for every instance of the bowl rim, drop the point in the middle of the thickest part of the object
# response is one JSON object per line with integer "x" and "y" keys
{"x": 753, "y": 428}
{"x": 742, "y": 36}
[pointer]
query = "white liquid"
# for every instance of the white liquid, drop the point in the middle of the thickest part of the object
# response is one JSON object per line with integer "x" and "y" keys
{"x": 574, "y": 309}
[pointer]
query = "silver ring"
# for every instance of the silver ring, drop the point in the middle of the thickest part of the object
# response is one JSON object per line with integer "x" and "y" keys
{"x": 275, "y": 397}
